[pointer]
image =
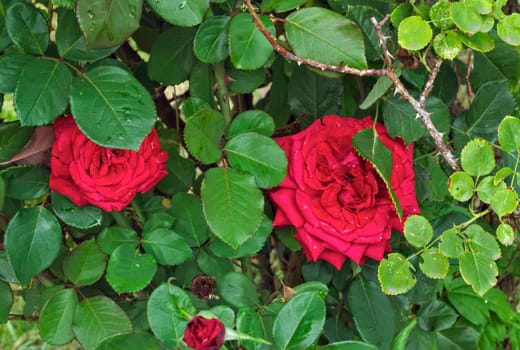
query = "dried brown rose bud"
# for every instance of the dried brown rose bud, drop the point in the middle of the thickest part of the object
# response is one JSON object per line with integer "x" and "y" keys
{"x": 203, "y": 286}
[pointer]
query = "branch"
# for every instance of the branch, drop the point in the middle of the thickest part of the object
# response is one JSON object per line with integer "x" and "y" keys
{"x": 418, "y": 106}
{"x": 300, "y": 60}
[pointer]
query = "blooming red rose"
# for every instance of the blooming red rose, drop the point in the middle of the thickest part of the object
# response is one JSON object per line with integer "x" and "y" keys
{"x": 105, "y": 177}
{"x": 337, "y": 202}
{"x": 204, "y": 334}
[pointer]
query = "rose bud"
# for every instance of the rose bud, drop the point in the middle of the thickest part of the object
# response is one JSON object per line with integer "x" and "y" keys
{"x": 204, "y": 334}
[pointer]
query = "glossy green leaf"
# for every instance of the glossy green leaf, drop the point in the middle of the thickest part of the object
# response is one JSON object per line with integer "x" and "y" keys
{"x": 508, "y": 29}
{"x": 112, "y": 237}
{"x": 108, "y": 23}
{"x": 112, "y": 108}
{"x": 370, "y": 148}
{"x": 233, "y": 205}
{"x": 378, "y": 90}
{"x": 440, "y": 15}
{"x": 11, "y": 65}
{"x": 85, "y": 264}
{"x": 482, "y": 42}
{"x": 414, "y": 33}
{"x": 213, "y": 265}
{"x": 461, "y": 186}
{"x": 6, "y": 301}
{"x": 481, "y": 241}
{"x": 169, "y": 309}
{"x": 348, "y": 345}
{"x": 249, "y": 322}
{"x": 395, "y": 275}
{"x": 286, "y": 5}
{"x": 32, "y": 242}
{"x": 129, "y": 341}
{"x": 372, "y": 311}
{"x": 167, "y": 246}
{"x": 436, "y": 316}
{"x": 509, "y": 134}
{"x": 258, "y": 155}
{"x": 27, "y": 27}
{"x": 401, "y": 12}
{"x": 180, "y": 12}
{"x": 466, "y": 17}
{"x": 451, "y": 244}
{"x": 505, "y": 234}
{"x": 254, "y": 120}
{"x": 361, "y": 16}
{"x": 42, "y": 93}
{"x": 402, "y": 337}
{"x": 325, "y": 36}
{"x": 203, "y": 133}
{"x": 418, "y": 231}
{"x": 56, "y": 317}
{"x": 447, "y": 45}
{"x": 80, "y": 217}
{"x": 486, "y": 189}
{"x": 211, "y": 41}
{"x": 189, "y": 222}
{"x": 97, "y": 318}
{"x": 245, "y": 81}
{"x": 248, "y": 47}
{"x": 467, "y": 303}
{"x": 238, "y": 290}
{"x": 504, "y": 202}
{"x": 12, "y": 139}
{"x": 26, "y": 182}
{"x": 479, "y": 271}
{"x": 299, "y": 322}
{"x": 477, "y": 158}
{"x": 71, "y": 42}
{"x": 434, "y": 265}
{"x": 129, "y": 270}
{"x": 172, "y": 64}
{"x": 181, "y": 175}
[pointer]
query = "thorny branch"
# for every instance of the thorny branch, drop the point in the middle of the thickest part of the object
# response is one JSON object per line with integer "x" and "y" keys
{"x": 418, "y": 106}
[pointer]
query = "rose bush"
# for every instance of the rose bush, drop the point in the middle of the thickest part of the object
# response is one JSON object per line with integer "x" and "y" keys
{"x": 337, "y": 202}
{"x": 204, "y": 333}
{"x": 105, "y": 177}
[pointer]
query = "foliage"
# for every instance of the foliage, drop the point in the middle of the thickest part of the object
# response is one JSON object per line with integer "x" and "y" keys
{"x": 219, "y": 80}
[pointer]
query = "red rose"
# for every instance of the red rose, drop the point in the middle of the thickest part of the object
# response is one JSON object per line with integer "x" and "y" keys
{"x": 204, "y": 334}
{"x": 337, "y": 202}
{"x": 105, "y": 177}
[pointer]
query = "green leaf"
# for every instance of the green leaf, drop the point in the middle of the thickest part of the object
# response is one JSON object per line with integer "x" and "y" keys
{"x": 477, "y": 158}
{"x": 434, "y": 265}
{"x": 482, "y": 42}
{"x": 372, "y": 311}
{"x": 251, "y": 121}
{"x": 129, "y": 341}
{"x": 492, "y": 102}
{"x": 414, "y": 33}
{"x": 85, "y": 264}
{"x": 395, "y": 275}
{"x": 213, "y": 265}
{"x": 402, "y": 337}
{"x": 436, "y": 316}
{"x": 486, "y": 189}
{"x": 245, "y": 81}
{"x": 181, "y": 175}
{"x": 180, "y": 12}
{"x": 498, "y": 64}
{"x": 451, "y": 244}
{"x": 447, "y": 45}
{"x": 165, "y": 56}
{"x": 211, "y": 41}
{"x": 505, "y": 234}
{"x": 348, "y": 345}
{"x": 504, "y": 202}
{"x": 361, "y": 15}
{"x": 459, "y": 338}
{"x": 509, "y": 134}
{"x": 325, "y": 36}
{"x": 370, "y": 148}
{"x": 466, "y": 17}
{"x": 233, "y": 205}
{"x": 112, "y": 237}
{"x": 71, "y": 42}
{"x": 461, "y": 186}
{"x": 248, "y": 47}
{"x": 300, "y": 322}
{"x": 159, "y": 220}
{"x": 440, "y": 15}
{"x": 32, "y": 242}
{"x": 400, "y": 12}
{"x": 112, "y": 108}
{"x": 129, "y": 270}
{"x": 508, "y": 29}
{"x": 479, "y": 271}
{"x": 482, "y": 242}
{"x": 203, "y": 133}
{"x": 11, "y": 65}
{"x": 378, "y": 90}
{"x": 418, "y": 231}
{"x": 286, "y": 5}
{"x": 42, "y": 93}
{"x": 12, "y": 139}
{"x": 26, "y": 182}
{"x": 167, "y": 246}
{"x": 467, "y": 303}
{"x": 258, "y": 155}
{"x": 83, "y": 218}
{"x": 27, "y": 27}
{"x": 169, "y": 308}
{"x": 250, "y": 323}
{"x": 6, "y": 302}
{"x": 250, "y": 247}
{"x": 189, "y": 222}
{"x": 56, "y": 317}
{"x": 108, "y": 23}
{"x": 97, "y": 318}
{"x": 238, "y": 290}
